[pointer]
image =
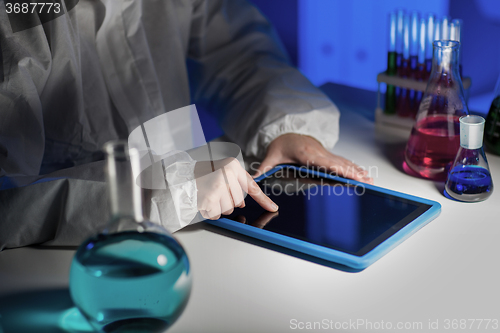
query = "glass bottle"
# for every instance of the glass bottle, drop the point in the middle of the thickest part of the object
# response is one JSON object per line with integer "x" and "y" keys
{"x": 134, "y": 276}
{"x": 435, "y": 139}
{"x": 469, "y": 179}
{"x": 390, "y": 94}
{"x": 492, "y": 127}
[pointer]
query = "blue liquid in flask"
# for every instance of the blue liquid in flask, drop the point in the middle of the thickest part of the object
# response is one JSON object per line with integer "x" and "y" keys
{"x": 469, "y": 183}
{"x": 131, "y": 281}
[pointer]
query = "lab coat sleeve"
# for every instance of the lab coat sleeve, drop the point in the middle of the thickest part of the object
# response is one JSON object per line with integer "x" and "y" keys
{"x": 182, "y": 186}
{"x": 60, "y": 208}
{"x": 177, "y": 208}
{"x": 240, "y": 72}
{"x": 35, "y": 209}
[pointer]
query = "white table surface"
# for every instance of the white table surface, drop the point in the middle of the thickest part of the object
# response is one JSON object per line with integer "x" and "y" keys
{"x": 449, "y": 270}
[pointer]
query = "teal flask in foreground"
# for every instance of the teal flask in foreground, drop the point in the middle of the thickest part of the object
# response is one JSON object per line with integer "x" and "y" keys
{"x": 134, "y": 276}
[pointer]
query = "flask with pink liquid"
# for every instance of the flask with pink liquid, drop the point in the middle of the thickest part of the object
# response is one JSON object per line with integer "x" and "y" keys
{"x": 435, "y": 137}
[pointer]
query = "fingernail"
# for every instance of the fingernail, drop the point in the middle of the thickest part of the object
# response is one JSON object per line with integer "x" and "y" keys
{"x": 274, "y": 206}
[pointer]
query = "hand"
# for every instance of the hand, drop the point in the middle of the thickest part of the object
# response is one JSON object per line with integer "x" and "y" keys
{"x": 221, "y": 190}
{"x": 305, "y": 150}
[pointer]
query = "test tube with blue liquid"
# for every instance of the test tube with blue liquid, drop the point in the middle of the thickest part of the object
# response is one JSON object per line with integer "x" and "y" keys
{"x": 469, "y": 178}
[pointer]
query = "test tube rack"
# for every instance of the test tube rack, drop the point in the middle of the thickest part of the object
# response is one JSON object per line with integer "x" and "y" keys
{"x": 393, "y": 120}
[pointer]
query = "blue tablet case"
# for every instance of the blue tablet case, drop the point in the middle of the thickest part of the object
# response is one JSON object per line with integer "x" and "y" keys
{"x": 336, "y": 256}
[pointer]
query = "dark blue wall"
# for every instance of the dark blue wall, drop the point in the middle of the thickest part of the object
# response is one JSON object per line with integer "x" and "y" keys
{"x": 481, "y": 42}
{"x": 284, "y": 16}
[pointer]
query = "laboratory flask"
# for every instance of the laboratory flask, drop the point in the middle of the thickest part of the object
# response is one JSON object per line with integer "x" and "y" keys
{"x": 134, "y": 276}
{"x": 434, "y": 139}
{"x": 492, "y": 126}
{"x": 469, "y": 178}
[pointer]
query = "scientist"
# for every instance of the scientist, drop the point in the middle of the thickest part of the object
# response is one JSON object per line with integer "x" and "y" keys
{"x": 104, "y": 67}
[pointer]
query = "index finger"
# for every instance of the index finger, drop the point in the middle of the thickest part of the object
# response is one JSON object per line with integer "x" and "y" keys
{"x": 256, "y": 193}
{"x": 249, "y": 186}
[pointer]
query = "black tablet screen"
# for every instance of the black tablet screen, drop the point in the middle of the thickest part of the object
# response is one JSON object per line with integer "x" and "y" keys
{"x": 349, "y": 218}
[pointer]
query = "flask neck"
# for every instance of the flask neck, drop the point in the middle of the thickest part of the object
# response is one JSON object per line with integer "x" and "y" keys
{"x": 125, "y": 195}
{"x": 445, "y": 59}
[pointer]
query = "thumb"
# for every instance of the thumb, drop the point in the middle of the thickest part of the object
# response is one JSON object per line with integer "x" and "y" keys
{"x": 269, "y": 162}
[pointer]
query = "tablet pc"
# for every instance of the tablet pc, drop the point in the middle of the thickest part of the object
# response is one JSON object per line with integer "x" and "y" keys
{"x": 329, "y": 217}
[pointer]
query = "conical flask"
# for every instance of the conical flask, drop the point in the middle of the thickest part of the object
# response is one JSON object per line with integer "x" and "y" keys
{"x": 435, "y": 139}
{"x": 469, "y": 178}
{"x": 134, "y": 276}
{"x": 492, "y": 127}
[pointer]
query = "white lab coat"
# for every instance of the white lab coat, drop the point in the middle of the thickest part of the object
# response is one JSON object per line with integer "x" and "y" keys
{"x": 97, "y": 72}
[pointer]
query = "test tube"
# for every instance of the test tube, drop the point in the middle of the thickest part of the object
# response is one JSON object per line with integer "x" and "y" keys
{"x": 399, "y": 36}
{"x": 428, "y": 45}
{"x": 455, "y": 34}
{"x": 399, "y": 44}
{"x": 390, "y": 94}
{"x": 455, "y": 29}
{"x": 413, "y": 70}
{"x": 422, "y": 40}
{"x": 414, "y": 40}
{"x": 421, "y": 68}
{"x": 406, "y": 47}
{"x": 391, "y": 59}
{"x": 445, "y": 28}
{"x": 437, "y": 30}
{"x": 403, "y": 101}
